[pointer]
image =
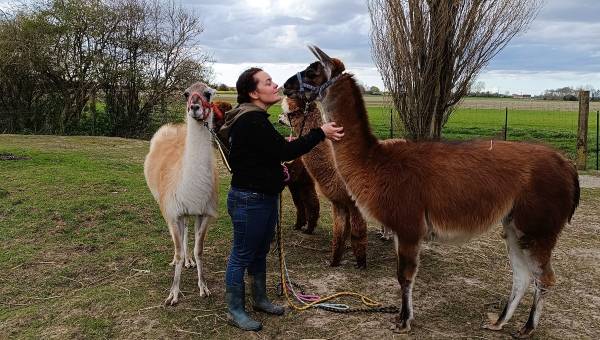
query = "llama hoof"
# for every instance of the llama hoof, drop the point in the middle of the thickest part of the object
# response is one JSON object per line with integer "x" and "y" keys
{"x": 189, "y": 263}
{"x": 298, "y": 226}
{"x": 308, "y": 231}
{"x": 384, "y": 236}
{"x": 492, "y": 323}
{"x": 491, "y": 327}
{"x": 204, "y": 292}
{"x": 524, "y": 333}
{"x": 360, "y": 265}
{"x": 172, "y": 299}
{"x": 334, "y": 263}
{"x": 401, "y": 328}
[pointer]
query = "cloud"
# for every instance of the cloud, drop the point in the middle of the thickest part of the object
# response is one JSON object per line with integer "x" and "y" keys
{"x": 561, "y": 42}
{"x": 278, "y": 31}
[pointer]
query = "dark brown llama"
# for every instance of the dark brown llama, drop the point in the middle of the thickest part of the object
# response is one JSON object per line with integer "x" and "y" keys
{"x": 301, "y": 185}
{"x": 347, "y": 219}
{"x": 450, "y": 191}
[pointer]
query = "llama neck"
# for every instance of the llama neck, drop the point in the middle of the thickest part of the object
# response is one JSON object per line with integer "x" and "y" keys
{"x": 197, "y": 154}
{"x": 344, "y": 103}
{"x": 312, "y": 120}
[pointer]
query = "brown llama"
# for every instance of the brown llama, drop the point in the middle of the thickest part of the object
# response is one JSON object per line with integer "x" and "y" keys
{"x": 424, "y": 190}
{"x": 300, "y": 184}
{"x": 347, "y": 219}
{"x": 304, "y": 196}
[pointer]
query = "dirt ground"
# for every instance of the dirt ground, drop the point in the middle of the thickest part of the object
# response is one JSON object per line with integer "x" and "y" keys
{"x": 587, "y": 181}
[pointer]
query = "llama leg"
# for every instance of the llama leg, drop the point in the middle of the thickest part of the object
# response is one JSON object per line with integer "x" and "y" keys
{"x": 340, "y": 233}
{"x": 407, "y": 257}
{"x": 177, "y": 227}
{"x": 521, "y": 279}
{"x": 312, "y": 207}
{"x": 200, "y": 228}
{"x": 543, "y": 279}
{"x": 299, "y": 204}
{"x": 358, "y": 237}
{"x": 188, "y": 262}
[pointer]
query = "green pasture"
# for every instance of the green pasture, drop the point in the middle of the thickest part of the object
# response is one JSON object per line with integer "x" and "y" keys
{"x": 555, "y": 128}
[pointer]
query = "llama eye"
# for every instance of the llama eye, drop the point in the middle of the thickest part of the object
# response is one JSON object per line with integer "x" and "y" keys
{"x": 207, "y": 95}
{"x": 186, "y": 94}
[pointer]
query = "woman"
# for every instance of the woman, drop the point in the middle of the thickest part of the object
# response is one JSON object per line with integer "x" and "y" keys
{"x": 255, "y": 156}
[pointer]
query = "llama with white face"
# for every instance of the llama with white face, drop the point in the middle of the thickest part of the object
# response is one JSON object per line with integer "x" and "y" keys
{"x": 180, "y": 172}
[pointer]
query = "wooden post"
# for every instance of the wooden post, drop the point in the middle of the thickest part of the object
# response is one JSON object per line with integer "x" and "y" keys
{"x": 505, "y": 123}
{"x": 582, "y": 128}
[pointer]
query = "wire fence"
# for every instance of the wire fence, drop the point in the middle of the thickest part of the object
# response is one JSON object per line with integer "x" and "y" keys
{"x": 557, "y": 128}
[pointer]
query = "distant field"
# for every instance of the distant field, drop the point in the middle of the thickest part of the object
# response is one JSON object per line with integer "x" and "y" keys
{"x": 553, "y": 127}
{"x": 472, "y": 103}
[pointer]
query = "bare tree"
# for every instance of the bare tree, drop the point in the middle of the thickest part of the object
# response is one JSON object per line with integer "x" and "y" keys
{"x": 154, "y": 55}
{"x": 428, "y": 51}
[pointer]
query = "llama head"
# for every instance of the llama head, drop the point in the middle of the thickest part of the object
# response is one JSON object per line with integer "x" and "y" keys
{"x": 295, "y": 111}
{"x": 290, "y": 109}
{"x": 198, "y": 97}
{"x": 312, "y": 81}
{"x": 219, "y": 109}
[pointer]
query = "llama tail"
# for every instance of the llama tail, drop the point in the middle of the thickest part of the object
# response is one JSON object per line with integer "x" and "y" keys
{"x": 576, "y": 193}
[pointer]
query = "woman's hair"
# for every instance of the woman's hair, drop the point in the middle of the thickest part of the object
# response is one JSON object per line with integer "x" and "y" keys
{"x": 246, "y": 84}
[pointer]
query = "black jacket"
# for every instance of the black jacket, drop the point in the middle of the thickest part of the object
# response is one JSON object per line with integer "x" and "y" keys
{"x": 257, "y": 150}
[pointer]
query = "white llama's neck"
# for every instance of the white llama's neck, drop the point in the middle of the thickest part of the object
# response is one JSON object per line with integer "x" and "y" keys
{"x": 197, "y": 154}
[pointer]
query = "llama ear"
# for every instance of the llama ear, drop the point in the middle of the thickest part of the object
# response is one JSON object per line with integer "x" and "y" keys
{"x": 322, "y": 56}
{"x": 338, "y": 66}
{"x": 314, "y": 52}
{"x": 209, "y": 93}
{"x": 328, "y": 63}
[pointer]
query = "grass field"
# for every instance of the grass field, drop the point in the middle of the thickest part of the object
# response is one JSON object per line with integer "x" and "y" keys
{"x": 84, "y": 253}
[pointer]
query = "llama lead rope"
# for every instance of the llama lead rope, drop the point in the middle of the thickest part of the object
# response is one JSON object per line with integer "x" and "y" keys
{"x": 220, "y": 146}
{"x": 309, "y": 301}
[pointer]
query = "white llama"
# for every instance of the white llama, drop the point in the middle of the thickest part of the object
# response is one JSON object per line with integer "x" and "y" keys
{"x": 181, "y": 174}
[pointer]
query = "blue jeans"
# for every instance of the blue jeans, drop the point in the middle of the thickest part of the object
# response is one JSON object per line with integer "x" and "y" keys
{"x": 254, "y": 216}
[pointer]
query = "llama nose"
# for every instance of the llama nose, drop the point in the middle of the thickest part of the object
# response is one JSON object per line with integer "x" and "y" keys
{"x": 195, "y": 107}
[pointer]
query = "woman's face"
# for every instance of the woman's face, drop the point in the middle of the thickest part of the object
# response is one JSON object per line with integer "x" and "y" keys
{"x": 266, "y": 90}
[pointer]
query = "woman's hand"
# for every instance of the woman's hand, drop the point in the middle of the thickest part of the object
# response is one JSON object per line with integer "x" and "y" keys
{"x": 332, "y": 131}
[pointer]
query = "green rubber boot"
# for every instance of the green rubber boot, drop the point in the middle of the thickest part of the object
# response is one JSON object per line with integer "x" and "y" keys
{"x": 237, "y": 316}
{"x": 259, "y": 295}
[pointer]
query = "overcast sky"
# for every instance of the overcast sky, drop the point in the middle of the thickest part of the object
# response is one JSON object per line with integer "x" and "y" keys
{"x": 561, "y": 48}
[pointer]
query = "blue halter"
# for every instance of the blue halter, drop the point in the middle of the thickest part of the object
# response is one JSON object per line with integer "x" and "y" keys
{"x": 316, "y": 92}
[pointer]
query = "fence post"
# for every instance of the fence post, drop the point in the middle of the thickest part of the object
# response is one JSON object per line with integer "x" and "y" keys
{"x": 582, "y": 128}
{"x": 505, "y": 123}
{"x": 391, "y": 123}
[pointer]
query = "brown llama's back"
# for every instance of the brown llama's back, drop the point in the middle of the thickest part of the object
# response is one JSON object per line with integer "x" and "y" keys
{"x": 463, "y": 188}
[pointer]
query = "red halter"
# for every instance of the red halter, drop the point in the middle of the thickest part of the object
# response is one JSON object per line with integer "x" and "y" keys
{"x": 206, "y": 105}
